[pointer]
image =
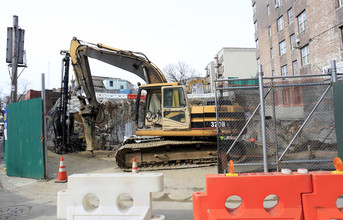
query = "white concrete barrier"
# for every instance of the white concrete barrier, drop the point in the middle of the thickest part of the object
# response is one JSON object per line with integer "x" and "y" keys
{"x": 124, "y": 196}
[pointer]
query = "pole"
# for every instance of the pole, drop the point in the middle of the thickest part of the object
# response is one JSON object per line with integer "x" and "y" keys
{"x": 263, "y": 119}
{"x": 333, "y": 71}
{"x": 275, "y": 129}
{"x": 65, "y": 131}
{"x": 220, "y": 168}
{"x": 15, "y": 51}
{"x": 44, "y": 129}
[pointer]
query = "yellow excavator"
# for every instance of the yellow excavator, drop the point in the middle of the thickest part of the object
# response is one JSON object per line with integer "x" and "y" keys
{"x": 169, "y": 132}
{"x": 193, "y": 83}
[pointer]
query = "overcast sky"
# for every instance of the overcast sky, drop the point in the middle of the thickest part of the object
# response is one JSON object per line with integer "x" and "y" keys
{"x": 166, "y": 31}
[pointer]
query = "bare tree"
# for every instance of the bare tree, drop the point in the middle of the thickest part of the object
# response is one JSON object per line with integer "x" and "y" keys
{"x": 4, "y": 100}
{"x": 180, "y": 72}
{"x": 23, "y": 88}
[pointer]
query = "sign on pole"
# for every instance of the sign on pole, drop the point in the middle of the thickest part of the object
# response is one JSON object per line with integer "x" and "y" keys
{"x": 9, "y": 48}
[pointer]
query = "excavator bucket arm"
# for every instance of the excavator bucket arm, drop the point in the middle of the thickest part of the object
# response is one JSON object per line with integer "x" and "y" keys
{"x": 134, "y": 62}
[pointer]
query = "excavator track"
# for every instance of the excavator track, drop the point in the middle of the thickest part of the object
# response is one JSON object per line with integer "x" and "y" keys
{"x": 167, "y": 154}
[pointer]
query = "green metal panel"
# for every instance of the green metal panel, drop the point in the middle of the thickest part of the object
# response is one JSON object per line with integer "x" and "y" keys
{"x": 5, "y": 135}
{"x": 250, "y": 82}
{"x": 25, "y": 148}
{"x": 338, "y": 105}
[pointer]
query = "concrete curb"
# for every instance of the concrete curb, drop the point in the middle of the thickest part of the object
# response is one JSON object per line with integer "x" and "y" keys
{"x": 12, "y": 183}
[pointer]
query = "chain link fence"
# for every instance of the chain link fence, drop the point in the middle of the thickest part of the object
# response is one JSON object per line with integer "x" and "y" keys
{"x": 298, "y": 126}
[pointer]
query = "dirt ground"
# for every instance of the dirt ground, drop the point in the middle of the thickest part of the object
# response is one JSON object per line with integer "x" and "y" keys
{"x": 179, "y": 184}
{"x": 38, "y": 198}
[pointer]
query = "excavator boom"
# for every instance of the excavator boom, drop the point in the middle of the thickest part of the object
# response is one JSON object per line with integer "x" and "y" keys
{"x": 134, "y": 62}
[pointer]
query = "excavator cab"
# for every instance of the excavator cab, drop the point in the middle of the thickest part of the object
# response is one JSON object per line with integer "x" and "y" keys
{"x": 165, "y": 108}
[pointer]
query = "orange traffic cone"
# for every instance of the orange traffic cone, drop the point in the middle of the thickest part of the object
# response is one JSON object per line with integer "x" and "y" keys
{"x": 62, "y": 173}
{"x": 134, "y": 166}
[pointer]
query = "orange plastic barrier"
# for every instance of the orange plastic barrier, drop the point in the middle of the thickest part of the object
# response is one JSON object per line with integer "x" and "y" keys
{"x": 321, "y": 204}
{"x": 253, "y": 190}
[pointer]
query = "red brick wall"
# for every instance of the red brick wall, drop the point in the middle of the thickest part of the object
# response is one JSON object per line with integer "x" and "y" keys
{"x": 51, "y": 97}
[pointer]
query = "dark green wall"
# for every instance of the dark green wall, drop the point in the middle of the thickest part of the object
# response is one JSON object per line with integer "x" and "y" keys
{"x": 24, "y": 147}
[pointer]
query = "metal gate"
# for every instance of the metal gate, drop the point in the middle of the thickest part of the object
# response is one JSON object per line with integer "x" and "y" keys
{"x": 293, "y": 126}
{"x": 24, "y": 151}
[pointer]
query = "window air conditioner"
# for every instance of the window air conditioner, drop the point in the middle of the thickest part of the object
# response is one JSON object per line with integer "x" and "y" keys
{"x": 294, "y": 45}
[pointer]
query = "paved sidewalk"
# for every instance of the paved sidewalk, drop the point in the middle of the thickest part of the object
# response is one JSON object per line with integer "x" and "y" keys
{"x": 23, "y": 198}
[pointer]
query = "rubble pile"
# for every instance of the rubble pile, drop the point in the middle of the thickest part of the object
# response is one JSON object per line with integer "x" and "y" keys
{"x": 115, "y": 121}
{"x": 118, "y": 123}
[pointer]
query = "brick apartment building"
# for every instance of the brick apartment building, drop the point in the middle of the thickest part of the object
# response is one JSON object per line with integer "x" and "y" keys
{"x": 298, "y": 36}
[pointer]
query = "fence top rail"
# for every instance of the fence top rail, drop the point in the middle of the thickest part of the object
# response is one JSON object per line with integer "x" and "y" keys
{"x": 278, "y": 77}
{"x": 239, "y": 87}
{"x": 274, "y": 85}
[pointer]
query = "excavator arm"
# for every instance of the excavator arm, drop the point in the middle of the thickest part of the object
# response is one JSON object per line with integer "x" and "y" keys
{"x": 134, "y": 62}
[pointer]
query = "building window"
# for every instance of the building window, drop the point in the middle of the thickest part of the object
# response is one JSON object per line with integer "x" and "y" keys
{"x": 271, "y": 53}
{"x": 278, "y": 3}
{"x": 269, "y": 100}
{"x": 282, "y": 47}
{"x": 276, "y": 98}
{"x": 305, "y": 55}
{"x": 121, "y": 87}
{"x": 268, "y": 10}
{"x": 255, "y": 25}
{"x": 273, "y": 73}
{"x": 257, "y": 47}
{"x": 284, "y": 70}
{"x": 293, "y": 46}
{"x": 221, "y": 70}
{"x": 295, "y": 67}
{"x": 221, "y": 59}
{"x": 340, "y": 3}
{"x": 302, "y": 22}
{"x": 297, "y": 99}
{"x": 286, "y": 97}
{"x": 254, "y": 9}
{"x": 290, "y": 16}
{"x": 280, "y": 24}
{"x": 111, "y": 83}
{"x": 341, "y": 30}
{"x": 270, "y": 31}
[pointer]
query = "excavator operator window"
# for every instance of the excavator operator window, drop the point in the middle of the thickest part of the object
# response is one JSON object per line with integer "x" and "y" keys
{"x": 155, "y": 103}
{"x": 154, "y": 115}
{"x": 176, "y": 116}
{"x": 173, "y": 100}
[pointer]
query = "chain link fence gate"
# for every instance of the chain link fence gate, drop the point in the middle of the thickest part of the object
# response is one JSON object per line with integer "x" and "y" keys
{"x": 299, "y": 123}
